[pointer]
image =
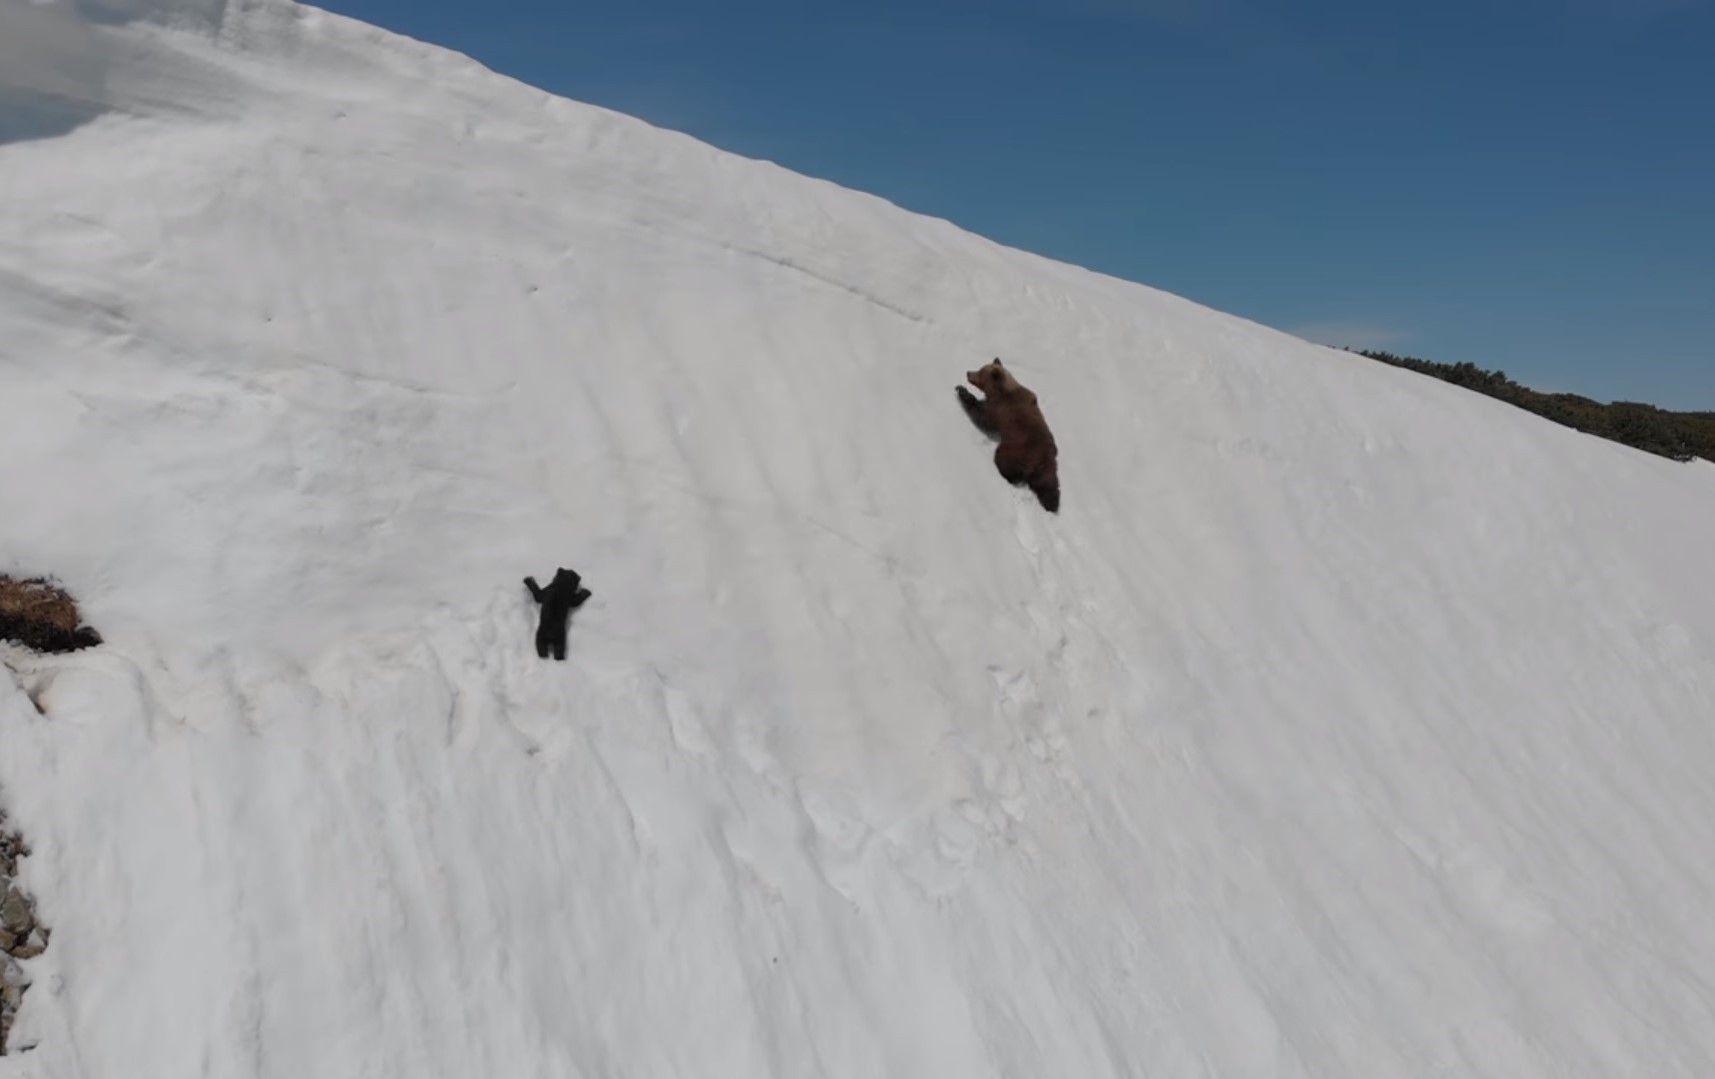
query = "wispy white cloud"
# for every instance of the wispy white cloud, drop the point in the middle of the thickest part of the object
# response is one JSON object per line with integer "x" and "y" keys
{"x": 1340, "y": 334}
{"x": 56, "y": 57}
{"x": 43, "y": 47}
{"x": 51, "y": 68}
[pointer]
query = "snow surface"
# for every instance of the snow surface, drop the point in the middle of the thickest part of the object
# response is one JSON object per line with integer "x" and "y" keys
{"x": 1343, "y": 723}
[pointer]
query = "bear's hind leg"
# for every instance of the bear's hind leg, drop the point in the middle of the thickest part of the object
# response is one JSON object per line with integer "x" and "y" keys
{"x": 1047, "y": 492}
{"x": 1011, "y": 463}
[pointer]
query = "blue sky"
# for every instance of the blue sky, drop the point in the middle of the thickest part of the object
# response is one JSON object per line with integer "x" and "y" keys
{"x": 1524, "y": 184}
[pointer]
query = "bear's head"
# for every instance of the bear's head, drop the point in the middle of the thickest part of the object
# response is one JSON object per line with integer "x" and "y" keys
{"x": 992, "y": 379}
{"x": 566, "y": 579}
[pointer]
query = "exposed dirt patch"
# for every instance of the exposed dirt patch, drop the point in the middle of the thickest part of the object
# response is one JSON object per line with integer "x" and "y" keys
{"x": 37, "y": 613}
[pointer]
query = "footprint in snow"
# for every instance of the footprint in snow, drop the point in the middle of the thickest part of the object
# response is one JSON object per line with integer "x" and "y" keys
{"x": 1025, "y": 529}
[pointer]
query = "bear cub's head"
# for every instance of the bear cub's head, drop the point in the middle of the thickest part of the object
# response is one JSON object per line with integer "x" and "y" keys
{"x": 568, "y": 580}
{"x": 992, "y": 379}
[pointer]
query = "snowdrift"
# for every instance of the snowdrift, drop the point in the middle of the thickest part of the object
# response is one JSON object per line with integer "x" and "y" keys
{"x": 1341, "y": 724}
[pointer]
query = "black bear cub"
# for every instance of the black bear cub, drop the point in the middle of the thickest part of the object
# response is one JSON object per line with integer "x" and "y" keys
{"x": 564, "y": 594}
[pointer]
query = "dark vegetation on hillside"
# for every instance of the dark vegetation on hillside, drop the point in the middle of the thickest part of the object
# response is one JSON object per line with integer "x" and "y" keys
{"x": 1679, "y": 435}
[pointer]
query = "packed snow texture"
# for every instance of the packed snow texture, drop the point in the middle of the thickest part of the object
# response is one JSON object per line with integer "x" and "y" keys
{"x": 1342, "y": 724}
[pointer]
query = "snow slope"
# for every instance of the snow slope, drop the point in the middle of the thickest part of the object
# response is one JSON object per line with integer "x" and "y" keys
{"x": 1342, "y": 724}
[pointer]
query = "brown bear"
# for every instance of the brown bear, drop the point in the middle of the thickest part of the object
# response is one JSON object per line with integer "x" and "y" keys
{"x": 1009, "y": 414}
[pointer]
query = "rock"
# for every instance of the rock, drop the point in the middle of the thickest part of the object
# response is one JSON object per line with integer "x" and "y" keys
{"x": 35, "y": 945}
{"x": 15, "y": 912}
{"x": 8, "y": 941}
